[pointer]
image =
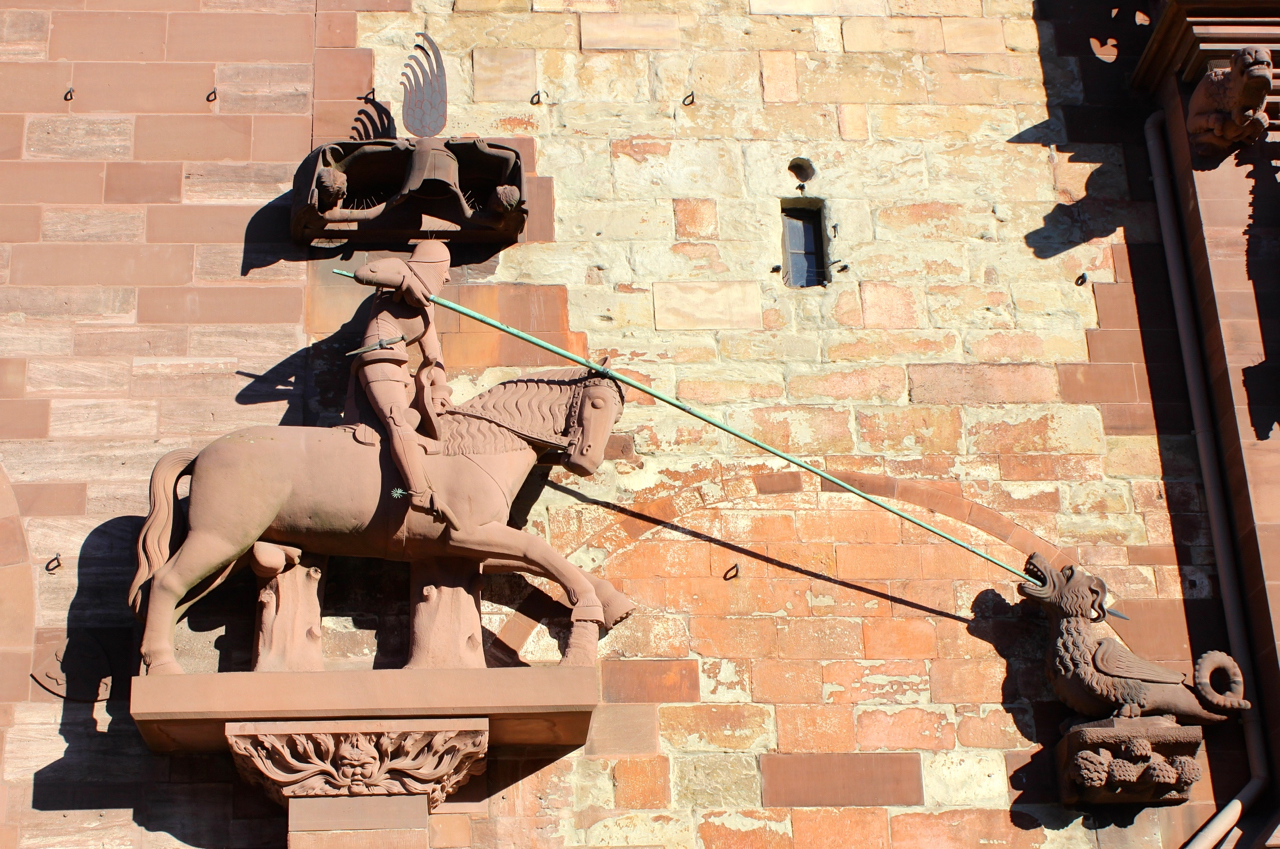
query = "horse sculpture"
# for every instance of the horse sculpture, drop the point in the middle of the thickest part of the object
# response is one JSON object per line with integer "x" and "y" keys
{"x": 323, "y": 491}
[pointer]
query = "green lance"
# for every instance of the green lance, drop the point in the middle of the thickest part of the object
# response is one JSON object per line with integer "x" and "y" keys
{"x": 667, "y": 399}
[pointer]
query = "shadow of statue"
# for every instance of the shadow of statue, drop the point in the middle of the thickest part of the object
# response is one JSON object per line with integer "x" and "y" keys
{"x": 1262, "y": 270}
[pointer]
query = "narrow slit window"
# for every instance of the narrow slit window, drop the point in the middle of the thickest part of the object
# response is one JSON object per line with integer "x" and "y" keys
{"x": 802, "y": 242}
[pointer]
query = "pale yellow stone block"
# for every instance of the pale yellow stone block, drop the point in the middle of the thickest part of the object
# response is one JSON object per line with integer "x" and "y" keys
{"x": 818, "y": 7}
{"x": 826, "y": 35}
{"x": 973, "y": 35}
{"x": 885, "y": 35}
{"x": 630, "y": 32}
{"x": 1023, "y": 36}
{"x": 955, "y": 123}
{"x": 943, "y": 8}
{"x": 853, "y": 121}
{"x": 490, "y": 5}
{"x": 778, "y": 70}
{"x": 503, "y": 74}
{"x": 862, "y": 78}
{"x": 575, "y": 5}
{"x": 707, "y": 305}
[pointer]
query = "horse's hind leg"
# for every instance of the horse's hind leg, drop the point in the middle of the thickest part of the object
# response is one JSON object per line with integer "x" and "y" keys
{"x": 201, "y": 555}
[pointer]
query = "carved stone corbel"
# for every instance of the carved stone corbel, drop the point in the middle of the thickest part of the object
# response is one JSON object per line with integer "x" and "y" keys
{"x": 1148, "y": 760}
{"x": 431, "y": 758}
{"x": 1227, "y": 106}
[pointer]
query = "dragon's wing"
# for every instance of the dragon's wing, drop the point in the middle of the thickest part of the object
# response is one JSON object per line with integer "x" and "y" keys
{"x": 1115, "y": 660}
{"x": 425, "y": 92}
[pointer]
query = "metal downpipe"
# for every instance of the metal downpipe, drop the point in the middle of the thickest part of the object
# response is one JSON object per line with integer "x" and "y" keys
{"x": 1224, "y": 821}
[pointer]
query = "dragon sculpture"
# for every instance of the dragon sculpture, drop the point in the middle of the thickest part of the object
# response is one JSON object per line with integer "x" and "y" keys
{"x": 1227, "y": 106}
{"x": 1100, "y": 677}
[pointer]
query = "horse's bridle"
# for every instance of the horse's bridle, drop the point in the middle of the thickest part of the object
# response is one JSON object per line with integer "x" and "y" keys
{"x": 568, "y": 441}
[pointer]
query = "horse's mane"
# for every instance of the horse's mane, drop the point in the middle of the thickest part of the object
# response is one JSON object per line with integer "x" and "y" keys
{"x": 538, "y": 403}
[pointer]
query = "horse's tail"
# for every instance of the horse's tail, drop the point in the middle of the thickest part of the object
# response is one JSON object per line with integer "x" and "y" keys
{"x": 158, "y": 530}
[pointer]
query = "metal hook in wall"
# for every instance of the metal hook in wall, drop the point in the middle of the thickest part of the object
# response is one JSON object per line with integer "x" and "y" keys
{"x": 55, "y": 564}
{"x": 70, "y": 95}
{"x": 688, "y": 99}
{"x": 212, "y": 96}
{"x": 536, "y": 99}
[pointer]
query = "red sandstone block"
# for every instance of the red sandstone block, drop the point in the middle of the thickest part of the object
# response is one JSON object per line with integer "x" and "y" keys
{"x": 848, "y": 526}
{"x": 784, "y": 682}
{"x": 923, "y": 598}
{"x": 144, "y": 182}
{"x": 660, "y": 558}
{"x": 13, "y": 544}
{"x": 733, "y": 636}
{"x": 51, "y": 182}
{"x": 715, "y": 727}
{"x": 815, "y": 728}
{"x": 977, "y": 681}
{"x": 15, "y": 676}
{"x": 842, "y": 780}
{"x": 642, "y": 783}
{"x": 107, "y": 36}
{"x": 343, "y": 74}
{"x": 335, "y": 29}
{"x": 743, "y": 829}
{"x": 758, "y": 526}
{"x": 220, "y": 305}
{"x": 811, "y": 557}
{"x": 1117, "y": 308}
{"x": 50, "y": 499}
{"x": 908, "y": 728}
{"x": 12, "y": 129}
{"x": 19, "y": 223}
{"x": 964, "y": 827}
{"x": 841, "y": 828}
{"x": 827, "y": 638}
{"x": 176, "y": 87}
{"x": 661, "y": 681}
{"x": 188, "y": 223}
{"x": 240, "y": 37}
{"x": 778, "y": 482}
{"x": 982, "y": 384}
{"x": 365, "y": 5}
{"x": 281, "y": 138}
{"x": 623, "y": 729}
{"x": 204, "y": 138}
{"x": 333, "y": 120}
{"x": 34, "y": 87}
{"x": 103, "y": 264}
{"x": 13, "y": 377}
{"x": 892, "y": 639}
{"x": 24, "y": 419}
{"x": 1092, "y": 383}
{"x": 737, "y": 597}
{"x": 1115, "y": 346}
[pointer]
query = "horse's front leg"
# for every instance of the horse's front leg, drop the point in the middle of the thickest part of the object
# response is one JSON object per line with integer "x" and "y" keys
{"x": 617, "y": 606}
{"x": 496, "y": 540}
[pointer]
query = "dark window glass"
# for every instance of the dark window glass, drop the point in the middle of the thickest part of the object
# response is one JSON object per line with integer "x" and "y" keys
{"x": 802, "y": 240}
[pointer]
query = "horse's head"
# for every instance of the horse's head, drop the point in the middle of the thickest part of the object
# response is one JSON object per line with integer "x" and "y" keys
{"x": 596, "y": 408}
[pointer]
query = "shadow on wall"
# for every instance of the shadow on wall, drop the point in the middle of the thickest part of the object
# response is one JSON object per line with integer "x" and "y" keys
{"x": 1262, "y": 268}
{"x": 105, "y": 770}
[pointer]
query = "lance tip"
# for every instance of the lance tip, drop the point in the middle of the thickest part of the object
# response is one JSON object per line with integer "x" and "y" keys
{"x": 344, "y": 272}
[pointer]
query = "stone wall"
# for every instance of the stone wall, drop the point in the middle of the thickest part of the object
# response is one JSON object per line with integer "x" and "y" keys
{"x": 994, "y": 353}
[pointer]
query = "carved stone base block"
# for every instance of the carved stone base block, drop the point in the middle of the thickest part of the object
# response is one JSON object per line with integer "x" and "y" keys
{"x": 358, "y": 758}
{"x": 444, "y": 625}
{"x": 1148, "y": 760}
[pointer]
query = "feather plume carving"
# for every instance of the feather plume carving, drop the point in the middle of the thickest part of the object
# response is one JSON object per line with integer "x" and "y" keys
{"x": 425, "y": 91}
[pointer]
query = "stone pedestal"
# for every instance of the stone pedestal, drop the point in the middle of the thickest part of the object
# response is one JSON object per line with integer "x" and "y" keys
{"x": 444, "y": 620}
{"x": 1148, "y": 760}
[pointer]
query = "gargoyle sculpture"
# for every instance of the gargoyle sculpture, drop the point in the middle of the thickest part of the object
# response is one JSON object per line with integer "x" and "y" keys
{"x": 1227, "y": 106}
{"x": 1098, "y": 678}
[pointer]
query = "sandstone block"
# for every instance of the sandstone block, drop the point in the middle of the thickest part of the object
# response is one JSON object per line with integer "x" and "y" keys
{"x": 108, "y": 36}
{"x": 818, "y": 7}
{"x": 715, "y": 780}
{"x": 973, "y": 35}
{"x": 916, "y": 429}
{"x": 805, "y": 429}
{"x": 27, "y": 419}
{"x": 240, "y": 37}
{"x": 212, "y": 182}
{"x": 623, "y": 729}
{"x": 89, "y": 224}
{"x": 782, "y": 682}
{"x": 904, "y": 728}
{"x": 835, "y": 828}
{"x": 893, "y": 639}
{"x": 220, "y": 305}
{"x": 256, "y": 88}
{"x": 46, "y": 376}
{"x": 716, "y": 728}
{"x": 335, "y": 29}
{"x": 995, "y": 384}
{"x": 887, "y": 35}
{"x": 102, "y": 418}
{"x": 143, "y": 182}
{"x": 862, "y": 78}
{"x": 503, "y": 74}
{"x": 734, "y": 636}
{"x": 575, "y": 5}
{"x": 695, "y": 218}
{"x": 853, "y": 121}
{"x": 65, "y": 137}
{"x": 131, "y": 86}
{"x": 971, "y": 779}
{"x": 20, "y": 223}
{"x": 34, "y": 86}
{"x": 815, "y": 728}
{"x": 759, "y": 829}
{"x": 778, "y": 70}
{"x": 491, "y": 5}
{"x": 51, "y": 264}
{"x": 642, "y": 783}
{"x": 706, "y": 305}
{"x": 630, "y": 32}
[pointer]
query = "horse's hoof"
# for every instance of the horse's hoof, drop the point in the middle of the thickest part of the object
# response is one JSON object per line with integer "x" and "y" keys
{"x": 169, "y": 667}
{"x": 618, "y": 610}
{"x": 589, "y": 613}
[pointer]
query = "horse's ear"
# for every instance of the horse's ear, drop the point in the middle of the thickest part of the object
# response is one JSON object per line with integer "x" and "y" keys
{"x": 604, "y": 361}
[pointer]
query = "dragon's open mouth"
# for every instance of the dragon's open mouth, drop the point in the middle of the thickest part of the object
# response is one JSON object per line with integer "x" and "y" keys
{"x": 1036, "y": 573}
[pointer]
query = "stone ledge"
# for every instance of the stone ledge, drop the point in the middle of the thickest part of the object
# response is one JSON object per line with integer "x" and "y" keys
{"x": 525, "y": 706}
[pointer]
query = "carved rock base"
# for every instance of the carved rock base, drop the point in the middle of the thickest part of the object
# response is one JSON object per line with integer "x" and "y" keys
{"x": 1148, "y": 760}
{"x": 429, "y": 758}
{"x": 290, "y": 590}
{"x": 444, "y": 624}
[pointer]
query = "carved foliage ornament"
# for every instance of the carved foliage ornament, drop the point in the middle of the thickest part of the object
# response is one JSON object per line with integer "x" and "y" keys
{"x": 360, "y": 763}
